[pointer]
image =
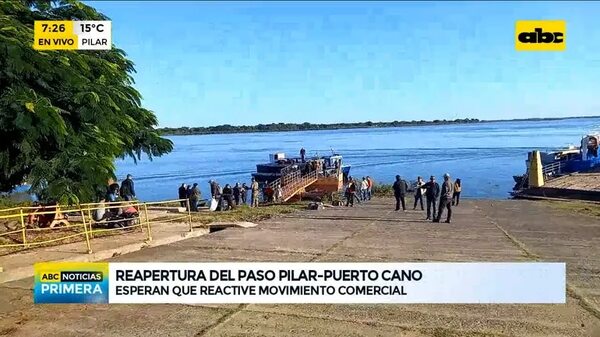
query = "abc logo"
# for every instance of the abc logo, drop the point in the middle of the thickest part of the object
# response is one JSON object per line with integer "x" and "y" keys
{"x": 540, "y": 35}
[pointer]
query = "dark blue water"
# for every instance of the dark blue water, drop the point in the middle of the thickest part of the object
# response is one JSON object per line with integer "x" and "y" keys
{"x": 485, "y": 156}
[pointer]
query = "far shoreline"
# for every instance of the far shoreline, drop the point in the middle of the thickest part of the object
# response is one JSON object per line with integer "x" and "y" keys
{"x": 243, "y": 129}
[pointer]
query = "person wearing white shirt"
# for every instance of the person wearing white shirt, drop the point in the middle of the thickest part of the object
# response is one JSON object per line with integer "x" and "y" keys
{"x": 364, "y": 188}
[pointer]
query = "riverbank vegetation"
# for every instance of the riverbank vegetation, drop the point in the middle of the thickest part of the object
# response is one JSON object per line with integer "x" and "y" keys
{"x": 275, "y": 127}
{"x": 382, "y": 190}
{"x": 66, "y": 115}
{"x": 248, "y": 214}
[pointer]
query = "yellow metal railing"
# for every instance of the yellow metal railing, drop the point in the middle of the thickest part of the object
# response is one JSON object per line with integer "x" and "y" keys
{"x": 38, "y": 226}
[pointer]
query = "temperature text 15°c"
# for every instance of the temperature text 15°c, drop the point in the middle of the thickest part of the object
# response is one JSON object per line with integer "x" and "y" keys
{"x": 88, "y": 27}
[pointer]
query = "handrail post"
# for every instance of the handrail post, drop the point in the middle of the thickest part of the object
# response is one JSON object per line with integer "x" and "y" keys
{"x": 147, "y": 222}
{"x": 187, "y": 201}
{"x": 87, "y": 237}
{"x": 23, "y": 230}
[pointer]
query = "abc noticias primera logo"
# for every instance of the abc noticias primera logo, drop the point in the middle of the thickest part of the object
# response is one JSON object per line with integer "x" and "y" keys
{"x": 70, "y": 282}
{"x": 540, "y": 35}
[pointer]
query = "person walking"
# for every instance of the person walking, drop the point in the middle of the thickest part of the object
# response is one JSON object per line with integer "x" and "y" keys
{"x": 127, "y": 188}
{"x": 446, "y": 199}
{"x": 355, "y": 190}
{"x": 432, "y": 192}
{"x": 302, "y": 154}
{"x": 400, "y": 188}
{"x": 456, "y": 195}
{"x": 370, "y": 182}
{"x": 182, "y": 195}
{"x": 194, "y": 197}
{"x": 364, "y": 188}
{"x": 255, "y": 189}
{"x": 350, "y": 193}
{"x": 419, "y": 190}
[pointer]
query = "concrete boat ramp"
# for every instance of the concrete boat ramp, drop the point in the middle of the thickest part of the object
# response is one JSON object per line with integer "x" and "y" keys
{"x": 515, "y": 230}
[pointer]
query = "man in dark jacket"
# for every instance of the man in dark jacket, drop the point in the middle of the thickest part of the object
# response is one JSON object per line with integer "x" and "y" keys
{"x": 432, "y": 192}
{"x": 400, "y": 188}
{"x": 236, "y": 193}
{"x": 244, "y": 193}
{"x": 127, "y": 190}
{"x": 182, "y": 194}
{"x": 227, "y": 195}
{"x": 445, "y": 199}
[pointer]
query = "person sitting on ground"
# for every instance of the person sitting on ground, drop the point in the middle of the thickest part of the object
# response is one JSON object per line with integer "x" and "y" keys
{"x": 100, "y": 212}
{"x": 112, "y": 196}
{"x": 129, "y": 214}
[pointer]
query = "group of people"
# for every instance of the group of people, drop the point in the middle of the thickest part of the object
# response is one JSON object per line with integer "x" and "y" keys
{"x": 448, "y": 195}
{"x": 358, "y": 191}
{"x": 122, "y": 214}
{"x": 228, "y": 197}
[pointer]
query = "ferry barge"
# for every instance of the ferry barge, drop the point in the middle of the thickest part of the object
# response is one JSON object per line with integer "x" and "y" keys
{"x": 563, "y": 161}
{"x": 296, "y": 175}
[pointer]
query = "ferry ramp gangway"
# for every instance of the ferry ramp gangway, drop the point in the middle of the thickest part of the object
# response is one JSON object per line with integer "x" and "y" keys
{"x": 294, "y": 183}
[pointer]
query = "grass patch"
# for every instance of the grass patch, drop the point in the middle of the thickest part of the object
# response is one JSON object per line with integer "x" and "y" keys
{"x": 246, "y": 213}
{"x": 578, "y": 207}
{"x": 382, "y": 190}
{"x": 36, "y": 237}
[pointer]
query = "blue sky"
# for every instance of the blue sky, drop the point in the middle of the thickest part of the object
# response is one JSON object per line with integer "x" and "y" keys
{"x": 209, "y": 63}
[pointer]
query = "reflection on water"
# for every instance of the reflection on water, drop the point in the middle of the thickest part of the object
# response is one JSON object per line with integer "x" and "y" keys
{"x": 485, "y": 156}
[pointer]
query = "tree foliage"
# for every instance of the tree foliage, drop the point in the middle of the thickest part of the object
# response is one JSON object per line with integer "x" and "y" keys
{"x": 274, "y": 127}
{"x": 66, "y": 115}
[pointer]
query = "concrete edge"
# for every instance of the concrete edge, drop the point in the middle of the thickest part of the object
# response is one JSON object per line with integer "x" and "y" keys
{"x": 25, "y": 272}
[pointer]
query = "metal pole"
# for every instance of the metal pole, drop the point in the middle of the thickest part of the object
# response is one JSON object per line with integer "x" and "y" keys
{"x": 147, "y": 222}
{"x": 91, "y": 233}
{"x": 87, "y": 236}
{"x": 189, "y": 214}
{"x": 23, "y": 228}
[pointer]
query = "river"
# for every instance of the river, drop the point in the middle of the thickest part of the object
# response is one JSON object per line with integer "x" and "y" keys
{"x": 484, "y": 155}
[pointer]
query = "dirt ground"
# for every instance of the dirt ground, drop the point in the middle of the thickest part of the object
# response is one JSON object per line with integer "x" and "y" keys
{"x": 481, "y": 231}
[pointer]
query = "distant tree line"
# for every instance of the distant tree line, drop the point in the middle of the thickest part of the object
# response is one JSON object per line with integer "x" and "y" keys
{"x": 274, "y": 127}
